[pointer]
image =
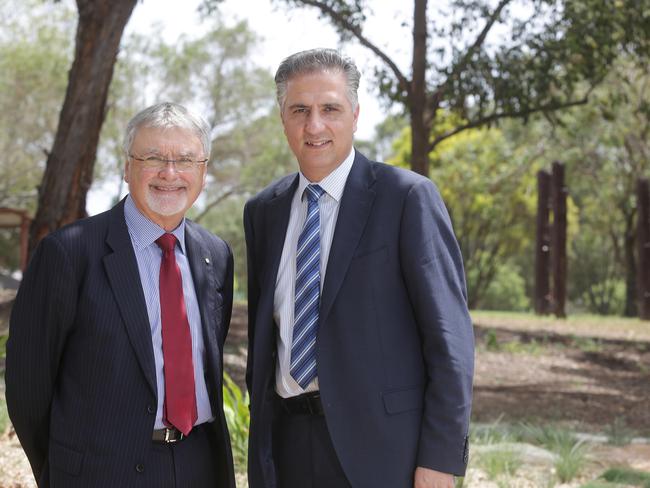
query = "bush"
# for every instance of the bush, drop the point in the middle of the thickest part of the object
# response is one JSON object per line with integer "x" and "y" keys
{"x": 506, "y": 292}
{"x": 235, "y": 407}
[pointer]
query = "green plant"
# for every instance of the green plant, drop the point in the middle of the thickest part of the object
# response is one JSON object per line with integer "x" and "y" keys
{"x": 618, "y": 433}
{"x": 491, "y": 341}
{"x": 235, "y": 407}
{"x": 627, "y": 476}
{"x": 598, "y": 484}
{"x": 500, "y": 462}
{"x": 3, "y": 345}
{"x": 570, "y": 461}
{"x": 4, "y": 415}
{"x": 571, "y": 453}
{"x": 489, "y": 434}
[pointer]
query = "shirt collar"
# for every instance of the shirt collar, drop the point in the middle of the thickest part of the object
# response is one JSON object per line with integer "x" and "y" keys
{"x": 143, "y": 231}
{"x": 333, "y": 183}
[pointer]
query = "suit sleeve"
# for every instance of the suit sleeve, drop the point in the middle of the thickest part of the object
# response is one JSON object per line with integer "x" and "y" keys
{"x": 253, "y": 292}
{"x": 41, "y": 319}
{"x": 434, "y": 276}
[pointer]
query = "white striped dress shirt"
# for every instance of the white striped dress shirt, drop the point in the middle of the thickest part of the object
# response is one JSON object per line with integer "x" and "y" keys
{"x": 143, "y": 233}
{"x": 283, "y": 305}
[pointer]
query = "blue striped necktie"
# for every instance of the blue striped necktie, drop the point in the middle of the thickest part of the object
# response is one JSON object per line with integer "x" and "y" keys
{"x": 307, "y": 295}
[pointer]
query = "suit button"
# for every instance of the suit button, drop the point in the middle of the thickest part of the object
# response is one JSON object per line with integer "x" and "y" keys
{"x": 139, "y": 468}
{"x": 151, "y": 409}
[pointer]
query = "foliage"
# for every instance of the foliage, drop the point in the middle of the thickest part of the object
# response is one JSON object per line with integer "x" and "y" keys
{"x": 485, "y": 62}
{"x": 489, "y": 190}
{"x": 618, "y": 433}
{"x": 235, "y": 407}
{"x": 605, "y": 147}
{"x": 627, "y": 476}
{"x": 500, "y": 463}
{"x": 507, "y": 291}
{"x": 35, "y": 53}
{"x": 4, "y": 416}
{"x": 570, "y": 451}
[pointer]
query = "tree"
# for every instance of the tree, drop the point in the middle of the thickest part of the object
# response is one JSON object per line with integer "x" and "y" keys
{"x": 606, "y": 148}
{"x": 35, "y": 51}
{"x": 488, "y": 186}
{"x": 69, "y": 168}
{"x": 491, "y": 61}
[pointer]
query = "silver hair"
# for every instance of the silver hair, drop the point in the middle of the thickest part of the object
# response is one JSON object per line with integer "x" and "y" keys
{"x": 168, "y": 115}
{"x": 315, "y": 60}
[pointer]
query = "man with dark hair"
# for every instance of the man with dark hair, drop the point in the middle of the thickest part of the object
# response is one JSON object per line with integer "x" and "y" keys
{"x": 361, "y": 350}
{"x": 114, "y": 359}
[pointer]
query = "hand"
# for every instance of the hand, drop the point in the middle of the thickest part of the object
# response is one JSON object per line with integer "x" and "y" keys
{"x": 429, "y": 478}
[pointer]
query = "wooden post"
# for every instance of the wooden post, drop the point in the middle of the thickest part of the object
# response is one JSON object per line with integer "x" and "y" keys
{"x": 643, "y": 248}
{"x": 542, "y": 292}
{"x": 558, "y": 240}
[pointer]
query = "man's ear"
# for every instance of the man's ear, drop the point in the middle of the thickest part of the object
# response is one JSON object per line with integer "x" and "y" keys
{"x": 127, "y": 167}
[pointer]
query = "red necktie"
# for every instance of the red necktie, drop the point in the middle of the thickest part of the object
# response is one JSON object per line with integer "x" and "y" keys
{"x": 179, "y": 408}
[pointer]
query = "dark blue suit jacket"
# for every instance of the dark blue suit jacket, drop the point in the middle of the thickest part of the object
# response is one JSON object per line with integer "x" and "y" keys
{"x": 81, "y": 386}
{"x": 395, "y": 344}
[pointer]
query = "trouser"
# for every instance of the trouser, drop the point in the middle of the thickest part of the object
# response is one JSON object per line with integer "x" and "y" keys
{"x": 303, "y": 452}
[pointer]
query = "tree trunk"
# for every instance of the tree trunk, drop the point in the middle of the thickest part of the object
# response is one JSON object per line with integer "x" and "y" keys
{"x": 69, "y": 167}
{"x": 629, "y": 245}
{"x": 558, "y": 244}
{"x": 420, "y": 129}
{"x": 643, "y": 248}
{"x": 542, "y": 300}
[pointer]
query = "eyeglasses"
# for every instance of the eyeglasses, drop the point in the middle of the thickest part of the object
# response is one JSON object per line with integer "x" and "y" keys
{"x": 183, "y": 164}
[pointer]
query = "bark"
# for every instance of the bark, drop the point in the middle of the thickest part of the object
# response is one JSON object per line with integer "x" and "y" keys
{"x": 629, "y": 245}
{"x": 542, "y": 299}
{"x": 420, "y": 129}
{"x": 558, "y": 240}
{"x": 69, "y": 167}
{"x": 643, "y": 248}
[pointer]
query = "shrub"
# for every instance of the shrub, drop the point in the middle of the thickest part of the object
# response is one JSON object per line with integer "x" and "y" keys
{"x": 235, "y": 407}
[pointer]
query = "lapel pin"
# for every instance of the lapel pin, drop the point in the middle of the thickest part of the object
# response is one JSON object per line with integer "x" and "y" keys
{"x": 207, "y": 260}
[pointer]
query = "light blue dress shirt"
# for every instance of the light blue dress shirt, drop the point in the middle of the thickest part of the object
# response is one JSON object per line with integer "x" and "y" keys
{"x": 143, "y": 234}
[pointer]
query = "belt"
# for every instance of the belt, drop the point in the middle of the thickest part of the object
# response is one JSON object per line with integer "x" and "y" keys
{"x": 167, "y": 436}
{"x": 305, "y": 404}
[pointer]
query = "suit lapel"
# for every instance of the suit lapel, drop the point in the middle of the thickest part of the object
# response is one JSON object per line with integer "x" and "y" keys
{"x": 277, "y": 213}
{"x": 356, "y": 204}
{"x": 124, "y": 278}
{"x": 205, "y": 288}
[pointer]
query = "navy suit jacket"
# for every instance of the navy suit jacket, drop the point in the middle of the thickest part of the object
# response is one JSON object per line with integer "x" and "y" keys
{"x": 395, "y": 347}
{"x": 81, "y": 386}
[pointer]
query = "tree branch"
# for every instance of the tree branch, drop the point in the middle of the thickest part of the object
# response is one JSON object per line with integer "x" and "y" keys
{"x": 436, "y": 96}
{"x": 232, "y": 191}
{"x": 503, "y": 115}
{"x": 481, "y": 38}
{"x": 343, "y": 22}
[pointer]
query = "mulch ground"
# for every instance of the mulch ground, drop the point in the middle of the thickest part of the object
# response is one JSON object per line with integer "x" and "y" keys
{"x": 591, "y": 381}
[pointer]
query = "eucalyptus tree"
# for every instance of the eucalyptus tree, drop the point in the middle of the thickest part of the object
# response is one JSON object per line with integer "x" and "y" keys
{"x": 486, "y": 60}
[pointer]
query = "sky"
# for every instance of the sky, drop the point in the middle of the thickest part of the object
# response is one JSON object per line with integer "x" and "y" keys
{"x": 282, "y": 32}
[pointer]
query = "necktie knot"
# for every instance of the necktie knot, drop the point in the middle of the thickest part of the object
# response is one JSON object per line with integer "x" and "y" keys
{"x": 314, "y": 192}
{"x": 167, "y": 242}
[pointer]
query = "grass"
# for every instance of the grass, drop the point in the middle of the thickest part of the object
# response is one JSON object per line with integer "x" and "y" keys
{"x": 532, "y": 347}
{"x": 500, "y": 463}
{"x": 627, "y": 476}
{"x": 571, "y": 453}
{"x": 582, "y": 325}
{"x": 618, "y": 433}
{"x": 4, "y": 415}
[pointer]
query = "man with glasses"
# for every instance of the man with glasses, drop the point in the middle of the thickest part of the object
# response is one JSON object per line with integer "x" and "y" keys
{"x": 114, "y": 362}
